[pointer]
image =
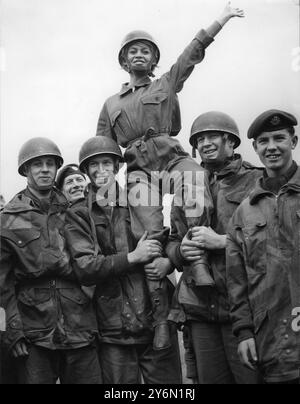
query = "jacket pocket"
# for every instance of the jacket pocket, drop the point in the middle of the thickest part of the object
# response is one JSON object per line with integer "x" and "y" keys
{"x": 255, "y": 236}
{"x": 236, "y": 197}
{"x": 37, "y": 309}
{"x": 77, "y": 309}
{"x": 109, "y": 312}
{"x": 21, "y": 237}
{"x": 155, "y": 98}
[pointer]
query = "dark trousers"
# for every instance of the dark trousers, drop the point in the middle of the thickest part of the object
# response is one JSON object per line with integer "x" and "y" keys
{"x": 76, "y": 366}
{"x": 8, "y": 373}
{"x": 130, "y": 364}
{"x": 186, "y": 181}
{"x": 217, "y": 361}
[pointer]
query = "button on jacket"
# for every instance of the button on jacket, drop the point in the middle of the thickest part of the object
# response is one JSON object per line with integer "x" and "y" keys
{"x": 99, "y": 243}
{"x": 229, "y": 187}
{"x": 263, "y": 271}
{"x": 150, "y": 112}
{"x": 43, "y": 301}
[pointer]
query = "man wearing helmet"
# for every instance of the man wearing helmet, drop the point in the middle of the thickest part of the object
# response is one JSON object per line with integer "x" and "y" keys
{"x": 206, "y": 311}
{"x": 51, "y": 325}
{"x": 106, "y": 254}
{"x": 144, "y": 118}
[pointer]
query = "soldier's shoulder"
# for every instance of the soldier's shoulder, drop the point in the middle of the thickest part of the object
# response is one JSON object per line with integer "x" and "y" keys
{"x": 79, "y": 207}
{"x": 242, "y": 212}
{"x": 19, "y": 199}
{"x": 249, "y": 166}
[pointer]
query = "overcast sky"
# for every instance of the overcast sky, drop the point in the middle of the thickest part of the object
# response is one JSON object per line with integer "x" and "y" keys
{"x": 58, "y": 62}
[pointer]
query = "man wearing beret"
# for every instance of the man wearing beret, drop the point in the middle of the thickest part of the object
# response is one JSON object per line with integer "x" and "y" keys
{"x": 263, "y": 260}
{"x": 72, "y": 183}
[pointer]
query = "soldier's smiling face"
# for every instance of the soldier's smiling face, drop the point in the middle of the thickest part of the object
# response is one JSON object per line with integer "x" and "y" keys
{"x": 41, "y": 172}
{"x": 101, "y": 170}
{"x": 140, "y": 56}
{"x": 214, "y": 147}
{"x": 275, "y": 150}
{"x": 74, "y": 187}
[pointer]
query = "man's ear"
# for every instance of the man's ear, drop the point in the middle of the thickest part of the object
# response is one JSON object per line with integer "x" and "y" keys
{"x": 26, "y": 170}
{"x": 295, "y": 140}
{"x": 229, "y": 140}
{"x": 125, "y": 66}
{"x": 254, "y": 144}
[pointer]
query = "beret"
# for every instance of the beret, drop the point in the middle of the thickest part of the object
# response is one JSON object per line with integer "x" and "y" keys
{"x": 65, "y": 172}
{"x": 271, "y": 121}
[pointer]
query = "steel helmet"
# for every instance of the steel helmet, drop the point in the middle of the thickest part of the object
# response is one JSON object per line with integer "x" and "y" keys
{"x": 96, "y": 146}
{"x": 215, "y": 121}
{"x": 139, "y": 36}
{"x": 38, "y": 147}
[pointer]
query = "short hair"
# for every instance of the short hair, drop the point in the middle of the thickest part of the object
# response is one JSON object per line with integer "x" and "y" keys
{"x": 291, "y": 130}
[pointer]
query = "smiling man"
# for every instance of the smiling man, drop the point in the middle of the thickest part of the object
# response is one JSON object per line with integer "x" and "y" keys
{"x": 216, "y": 137}
{"x": 50, "y": 322}
{"x": 72, "y": 182}
{"x": 106, "y": 254}
{"x": 263, "y": 255}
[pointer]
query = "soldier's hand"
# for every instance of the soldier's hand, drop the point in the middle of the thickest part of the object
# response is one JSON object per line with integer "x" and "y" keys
{"x": 145, "y": 251}
{"x": 208, "y": 239}
{"x": 190, "y": 250}
{"x": 20, "y": 350}
{"x": 230, "y": 12}
{"x": 248, "y": 354}
{"x": 158, "y": 269}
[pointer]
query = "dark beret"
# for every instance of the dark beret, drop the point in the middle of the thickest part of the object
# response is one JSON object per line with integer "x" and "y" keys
{"x": 271, "y": 121}
{"x": 65, "y": 172}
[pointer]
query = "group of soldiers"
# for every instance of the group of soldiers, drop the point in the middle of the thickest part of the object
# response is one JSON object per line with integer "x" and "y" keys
{"x": 84, "y": 264}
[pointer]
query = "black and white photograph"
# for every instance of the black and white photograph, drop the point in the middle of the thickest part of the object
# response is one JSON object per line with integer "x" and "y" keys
{"x": 149, "y": 194}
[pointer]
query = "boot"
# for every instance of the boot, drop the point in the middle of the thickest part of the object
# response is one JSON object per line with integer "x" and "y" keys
{"x": 160, "y": 307}
{"x": 199, "y": 272}
{"x": 162, "y": 338}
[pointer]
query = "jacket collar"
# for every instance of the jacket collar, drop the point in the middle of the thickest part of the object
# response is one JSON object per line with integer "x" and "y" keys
{"x": 126, "y": 88}
{"x": 231, "y": 167}
{"x": 259, "y": 192}
{"x": 119, "y": 194}
{"x": 24, "y": 201}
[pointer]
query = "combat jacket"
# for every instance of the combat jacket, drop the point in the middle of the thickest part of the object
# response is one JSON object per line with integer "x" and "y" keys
{"x": 146, "y": 118}
{"x": 99, "y": 240}
{"x": 263, "y": 271}
{"x": 229, "y": 187}
{"x": 43, "y": 301}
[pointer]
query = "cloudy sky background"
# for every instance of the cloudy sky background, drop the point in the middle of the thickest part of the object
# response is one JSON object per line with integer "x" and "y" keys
{"x": 58, "y": 62}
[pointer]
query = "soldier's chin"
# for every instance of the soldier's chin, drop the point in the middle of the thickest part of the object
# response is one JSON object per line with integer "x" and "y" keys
{"x": 137, "y": 68}
{"x": 101, "y": 181}
{"x": 44, "y": 188}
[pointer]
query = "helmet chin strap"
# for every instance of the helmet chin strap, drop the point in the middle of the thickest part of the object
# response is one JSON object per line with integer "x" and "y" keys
{"x": 32, "y": 185}
{"x": 152, "y": 64}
